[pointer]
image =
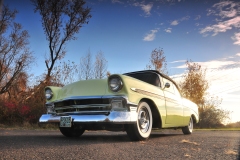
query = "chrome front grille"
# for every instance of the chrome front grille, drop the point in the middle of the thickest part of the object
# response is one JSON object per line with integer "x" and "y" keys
{"x": 83, "y": 106}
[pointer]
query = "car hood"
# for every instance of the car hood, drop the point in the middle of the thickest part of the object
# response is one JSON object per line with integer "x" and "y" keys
{"x": 95, "y": 87}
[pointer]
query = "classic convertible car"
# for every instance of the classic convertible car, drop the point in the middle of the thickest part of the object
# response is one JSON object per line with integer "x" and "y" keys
{"x": 135, "y": 102}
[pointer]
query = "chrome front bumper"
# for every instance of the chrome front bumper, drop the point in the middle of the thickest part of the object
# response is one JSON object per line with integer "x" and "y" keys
{"x": 120, "y": 117}
{"x": 129, "y": 115}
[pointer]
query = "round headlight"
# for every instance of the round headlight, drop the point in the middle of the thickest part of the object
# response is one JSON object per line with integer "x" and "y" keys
{"x": 115, "y": 83}
{"x": 48, "y": 93}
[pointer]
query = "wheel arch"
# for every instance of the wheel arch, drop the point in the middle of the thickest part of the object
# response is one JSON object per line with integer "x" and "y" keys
{"x": 194, "y": 118}
{"x": 156, "y": 116}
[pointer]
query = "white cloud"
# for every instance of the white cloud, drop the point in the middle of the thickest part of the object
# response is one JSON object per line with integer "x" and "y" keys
{"x": 117, "y": 1}
{"x": 215, "y": 64}
{"x": 238, "y": 54}
{"x": 174, "y": 23}
{"x": 229, "y": 13}
{"x": 168, "y": 30}
{"x": 178, "y": 61}
{"x": 222, "y": 26}
{"x": 150, "y": 36}
{"x": 185, "y": 18}
{"x": 197, "y": 17}
{"x": 210, "y": 12}
{"x": 236, "y": 38}
{"x": 227, "y": 9}
{"x": 146, "y": 8}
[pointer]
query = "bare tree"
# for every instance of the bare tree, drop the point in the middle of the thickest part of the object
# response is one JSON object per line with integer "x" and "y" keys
{"x": 18, "y": 88}
{"x": 86, "y": 68}
{"x": 100, "y": 66}
{"x": 108, "y": 74}
{"x": 65, "y": 73}
{"x": 61, "y": 20}
{"x": 15, "y": 56}
{"x": 1, "y": 5}
{"x": 158, "y": 61}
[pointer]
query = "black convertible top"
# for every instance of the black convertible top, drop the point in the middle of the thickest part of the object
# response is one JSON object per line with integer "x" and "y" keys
{"x": 157, "y": 72}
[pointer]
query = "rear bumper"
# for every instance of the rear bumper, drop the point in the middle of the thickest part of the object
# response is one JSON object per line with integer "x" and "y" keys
{"x": 118, "y": 117}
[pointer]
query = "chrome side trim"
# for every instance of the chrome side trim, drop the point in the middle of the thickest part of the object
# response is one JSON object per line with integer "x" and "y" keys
{"x": 173, "y": 101}
{"x": 155, "y": 95}
{"x": 148, "y": 93}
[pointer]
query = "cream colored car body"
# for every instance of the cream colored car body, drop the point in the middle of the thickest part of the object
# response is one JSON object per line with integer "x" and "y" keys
{"x": 168, "y": 108}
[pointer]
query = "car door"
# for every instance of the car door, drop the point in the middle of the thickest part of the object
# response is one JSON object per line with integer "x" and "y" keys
{"x": 174, "y": 109}
{"x": 180, "y": 105}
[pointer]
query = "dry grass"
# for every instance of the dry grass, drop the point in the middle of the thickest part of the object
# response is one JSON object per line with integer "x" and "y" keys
{"x": 189, "y": 142}
{"x": 231, "y": 152}
{"x": 2, "y": 126}
{"x": 26, "y": 126}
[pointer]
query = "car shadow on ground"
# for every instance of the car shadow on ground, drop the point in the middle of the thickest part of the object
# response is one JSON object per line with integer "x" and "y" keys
{"x": 159, "y": 135}
{"x": 54, "y": 137}
{"x": 109, "y": 136}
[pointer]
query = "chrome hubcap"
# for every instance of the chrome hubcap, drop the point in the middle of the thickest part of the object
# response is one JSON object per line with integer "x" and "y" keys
{"x": 143, "y": 120}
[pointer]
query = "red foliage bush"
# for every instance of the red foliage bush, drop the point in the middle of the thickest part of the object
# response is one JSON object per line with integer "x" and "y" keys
{"x": 12, "y": 113}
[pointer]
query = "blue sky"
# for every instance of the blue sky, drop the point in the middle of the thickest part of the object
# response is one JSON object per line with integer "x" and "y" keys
{"x": 205, "y": 31}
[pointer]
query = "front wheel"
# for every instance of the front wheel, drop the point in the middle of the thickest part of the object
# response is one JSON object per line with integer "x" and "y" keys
{"x": 188, "y": 129}
{"x": 142, "y": 129}
{"x": 71, "y": 132}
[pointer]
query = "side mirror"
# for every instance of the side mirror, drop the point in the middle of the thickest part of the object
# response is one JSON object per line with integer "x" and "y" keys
{"x": 167, "y": 85}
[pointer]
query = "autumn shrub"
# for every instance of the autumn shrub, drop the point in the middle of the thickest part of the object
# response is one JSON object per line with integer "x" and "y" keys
{"x": 13, "y": 113}
{"x": 9, "y": 113}
{"x": 194, "y": 86}
{"x": 36, "y": 100}
{"x": 25, "y": 107}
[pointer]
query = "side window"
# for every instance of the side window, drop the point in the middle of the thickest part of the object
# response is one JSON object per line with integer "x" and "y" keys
{"x": 157, "y": 82}
{"x": 151, "y": 78}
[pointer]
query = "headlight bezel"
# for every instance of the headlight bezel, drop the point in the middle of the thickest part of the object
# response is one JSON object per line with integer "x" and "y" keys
{"x": 115, "y": 83}
{"x": 48, "y": 94}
